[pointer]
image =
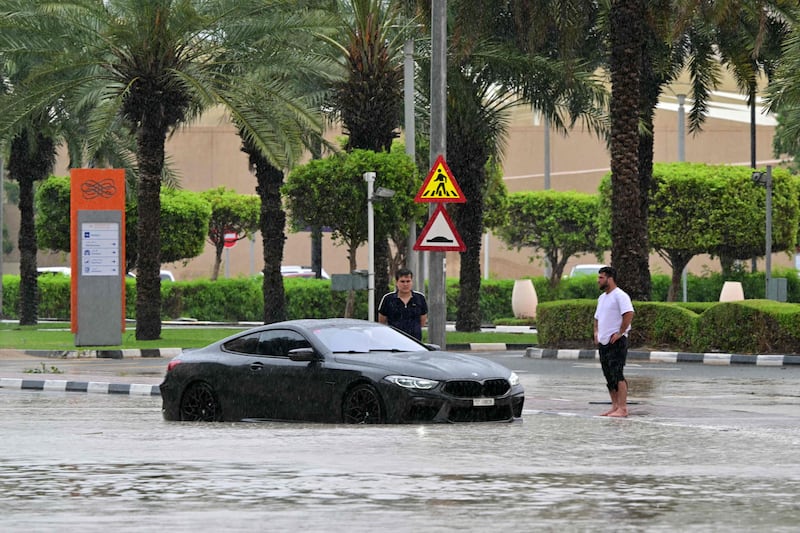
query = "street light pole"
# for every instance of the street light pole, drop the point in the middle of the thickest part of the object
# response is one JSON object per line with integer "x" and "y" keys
{"x": 369, "y": 177}
{"x": 682, "y": 158}
{"x": 768, "y": 259}
{"x": 437, "y": 301}
{"x": 765, "y": 178}
{"x": 372, "y": 195}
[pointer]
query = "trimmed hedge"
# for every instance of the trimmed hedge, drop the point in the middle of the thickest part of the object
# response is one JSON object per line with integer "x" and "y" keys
{"x": 749, "y": 326}
{"x": 224, "y": 300}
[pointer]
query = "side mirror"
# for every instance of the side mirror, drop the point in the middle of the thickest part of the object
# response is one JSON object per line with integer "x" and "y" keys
{"x": 433, "y": 347}
{"x": 303, "y": 354}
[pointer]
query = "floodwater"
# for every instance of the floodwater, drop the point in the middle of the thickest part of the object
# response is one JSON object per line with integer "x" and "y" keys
{"x": 100, "y": 462}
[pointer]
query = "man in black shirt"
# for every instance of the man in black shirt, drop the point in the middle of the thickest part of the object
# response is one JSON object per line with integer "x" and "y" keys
{"x": 404, "y": 309}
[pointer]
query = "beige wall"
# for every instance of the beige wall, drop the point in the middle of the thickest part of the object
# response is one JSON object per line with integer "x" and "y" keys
{"x": 207, "y": 154}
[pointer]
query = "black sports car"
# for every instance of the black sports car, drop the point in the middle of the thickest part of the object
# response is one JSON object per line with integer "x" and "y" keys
{"x": 336, "y": 370}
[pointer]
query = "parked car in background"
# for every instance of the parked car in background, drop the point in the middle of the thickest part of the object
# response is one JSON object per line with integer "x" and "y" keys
{"x": 66, "y": 271}
{"x": 585, "y": 270}
{"x": 295, "y": 271}
{"x": 165, "y": 275}
{"x": 337, "y": 371}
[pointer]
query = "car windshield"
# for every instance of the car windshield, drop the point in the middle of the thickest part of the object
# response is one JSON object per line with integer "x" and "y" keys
{"x": 360, "y": 339}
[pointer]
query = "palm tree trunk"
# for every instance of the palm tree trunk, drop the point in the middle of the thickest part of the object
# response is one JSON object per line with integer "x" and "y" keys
{"x": 468, "y": 165}
{"x": 32, "y": 158}
{"x": 629, "y": 249}
{"x": 350, "y": 305}
{"x": 470, "y": 227}
{"x": 150, "y": 152}
{"x": 272, "y": 222}
{"x": 28, "y": 285}
{"x": 382, "y": 255}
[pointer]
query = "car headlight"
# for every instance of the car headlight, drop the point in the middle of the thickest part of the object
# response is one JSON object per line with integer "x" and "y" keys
{"x": 409, "y": 382}
{"x": 513, "y": 379}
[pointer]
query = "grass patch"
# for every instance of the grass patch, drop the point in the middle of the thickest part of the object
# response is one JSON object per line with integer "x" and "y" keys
{"x": 463, "y": 337}
{"x": 56, "y": 336}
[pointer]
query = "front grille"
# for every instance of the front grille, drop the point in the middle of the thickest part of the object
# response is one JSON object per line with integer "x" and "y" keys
{"x": 490, "y": 388}
{"x": 480, "y": 414}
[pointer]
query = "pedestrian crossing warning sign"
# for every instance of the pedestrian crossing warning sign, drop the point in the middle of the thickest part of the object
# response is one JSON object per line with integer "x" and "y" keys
{"x": 439, "y": 234}
{"x": 440, "y": 185}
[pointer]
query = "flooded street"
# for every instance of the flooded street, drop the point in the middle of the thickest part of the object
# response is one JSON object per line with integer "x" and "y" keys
{"x": 96, "y": 462}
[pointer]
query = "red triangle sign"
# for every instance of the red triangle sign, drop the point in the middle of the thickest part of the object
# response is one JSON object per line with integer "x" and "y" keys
{"x": 439, "y": 234}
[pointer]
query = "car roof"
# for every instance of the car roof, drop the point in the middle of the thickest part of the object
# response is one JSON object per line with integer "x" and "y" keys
{"x": 310, "y": 323}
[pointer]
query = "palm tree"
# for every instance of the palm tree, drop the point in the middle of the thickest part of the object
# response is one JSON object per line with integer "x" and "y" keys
{"x": 501, "y": 60}
{"x": 699, "y": 35}
{"x": 629, "y": 249}
{"x": 156, "y": 64}
{"x": 369, "y": 100}
{"x": 32, "y": 157}
{"x": 784, "y": 97}
{"x": 286, "y": 87}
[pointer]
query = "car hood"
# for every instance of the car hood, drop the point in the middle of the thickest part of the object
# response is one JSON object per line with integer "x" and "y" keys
{"x": 436, "y": 365}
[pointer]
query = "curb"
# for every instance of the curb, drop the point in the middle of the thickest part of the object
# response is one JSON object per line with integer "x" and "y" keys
{"x": 105, "y": 354}
{"x": 487, "y": 346}
{"x": 719, "y": 359}
{"x": 61, "y": 385}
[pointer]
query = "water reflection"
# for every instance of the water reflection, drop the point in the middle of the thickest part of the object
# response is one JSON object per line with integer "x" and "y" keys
{"x": 551, "y": 472}
{"x": 75, "y": 462}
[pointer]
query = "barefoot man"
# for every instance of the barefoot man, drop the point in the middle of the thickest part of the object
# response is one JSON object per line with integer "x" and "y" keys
{"x": 612, "y": 322}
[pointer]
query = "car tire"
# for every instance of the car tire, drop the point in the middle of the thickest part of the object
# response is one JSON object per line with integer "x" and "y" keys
{"x": 199, "y": 403}
{"x": 362, "y": 405}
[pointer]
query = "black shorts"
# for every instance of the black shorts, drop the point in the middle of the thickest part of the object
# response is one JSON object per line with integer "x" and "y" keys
{"x": 612, "y": 361}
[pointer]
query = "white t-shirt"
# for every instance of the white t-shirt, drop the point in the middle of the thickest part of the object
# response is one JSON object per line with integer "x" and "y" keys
{"x": 610, "y": 308}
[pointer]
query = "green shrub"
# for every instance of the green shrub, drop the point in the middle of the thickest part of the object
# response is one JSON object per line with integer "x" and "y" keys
{"x": 660, "y": 325}
{"x": 751, "y": 326}
{"x": 566, "y": 323}
{"x": 10, "y": 296}
{"x": 494, "y": 301}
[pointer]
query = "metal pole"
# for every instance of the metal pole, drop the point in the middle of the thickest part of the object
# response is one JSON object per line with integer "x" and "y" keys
{"x": 546, "y": 153}
{"x": 437, "y": 308}
{"x": 681, "y": 158}
{"x": 548, "y": 268}
{"x": 253, "y": 255}
{"x": 486, "y": 255}
{"x": 369, "y": 177}
{"x": 752, "y": 101}
{"x": 681, "y": 127}
{"x": 411, "y": 148}
{"x": 768, "y": 273}
{"x": 227, "y": 262}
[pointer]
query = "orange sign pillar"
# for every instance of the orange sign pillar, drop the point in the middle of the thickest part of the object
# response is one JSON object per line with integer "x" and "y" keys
{"x": 97, "y": 227}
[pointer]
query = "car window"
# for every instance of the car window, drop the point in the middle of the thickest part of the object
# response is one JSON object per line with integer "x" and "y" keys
{"x": 279, "y": 342}
{"x": 366, "y": 339}
{"x": 246, "y": 344}
{"x": 274, "y": 342}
